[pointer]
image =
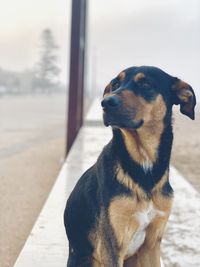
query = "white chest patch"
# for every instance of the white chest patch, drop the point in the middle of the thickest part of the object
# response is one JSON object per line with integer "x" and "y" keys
{"x": 144, "y": 218}
{"x": 147, "y": 166}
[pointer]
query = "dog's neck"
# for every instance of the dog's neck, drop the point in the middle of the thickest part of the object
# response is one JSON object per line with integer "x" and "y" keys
{"x": 144, "y": 153}
{"x": 142, "y": 144}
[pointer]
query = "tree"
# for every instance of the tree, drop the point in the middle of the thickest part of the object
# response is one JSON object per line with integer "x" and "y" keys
{"x": 46, "y": 70}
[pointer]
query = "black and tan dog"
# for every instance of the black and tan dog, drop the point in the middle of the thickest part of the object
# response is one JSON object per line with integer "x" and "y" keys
{"x": 117, "y": 212}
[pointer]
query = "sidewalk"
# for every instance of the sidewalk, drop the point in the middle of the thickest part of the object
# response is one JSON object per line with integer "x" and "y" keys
{"x": 47, "y": 244}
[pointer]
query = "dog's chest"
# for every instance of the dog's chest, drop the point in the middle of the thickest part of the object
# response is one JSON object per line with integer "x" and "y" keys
{"x": 144, "y": 218}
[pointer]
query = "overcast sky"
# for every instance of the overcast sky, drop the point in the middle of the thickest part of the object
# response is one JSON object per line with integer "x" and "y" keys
{"x": 120, "y": 34}
{"x": 161, "y": 33}
{"x": 21, "y": 24}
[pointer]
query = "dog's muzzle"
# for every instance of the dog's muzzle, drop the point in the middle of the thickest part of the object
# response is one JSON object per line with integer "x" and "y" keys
{"x": 111, "y": 102}
{"x": 116, "y": 116}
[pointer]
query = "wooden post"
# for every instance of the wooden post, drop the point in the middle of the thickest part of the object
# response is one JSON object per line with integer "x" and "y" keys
{"x": 76, "y": 75}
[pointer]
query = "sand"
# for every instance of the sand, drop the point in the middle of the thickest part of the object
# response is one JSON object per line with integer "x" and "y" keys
{"x": 25, "y": 188}
{"x": 31, "y": 153}
{"x": 186, "y": 146}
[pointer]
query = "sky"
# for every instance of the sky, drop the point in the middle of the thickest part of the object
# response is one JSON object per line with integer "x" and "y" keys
{"x": 22, "y": 22}
{"x": 120, "y": 34}
{"x": 128, "y": 33}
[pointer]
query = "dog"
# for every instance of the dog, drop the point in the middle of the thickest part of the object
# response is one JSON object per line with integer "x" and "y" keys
{"x": 118, "y": 210}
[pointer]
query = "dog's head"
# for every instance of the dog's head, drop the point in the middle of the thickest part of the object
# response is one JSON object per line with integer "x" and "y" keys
{"x": 141, "y": 96}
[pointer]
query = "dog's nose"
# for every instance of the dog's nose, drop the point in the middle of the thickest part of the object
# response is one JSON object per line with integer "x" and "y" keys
{"x": 110, "y": 101}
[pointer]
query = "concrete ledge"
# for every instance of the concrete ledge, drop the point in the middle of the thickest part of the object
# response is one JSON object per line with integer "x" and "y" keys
{"x": 47, "y": 244}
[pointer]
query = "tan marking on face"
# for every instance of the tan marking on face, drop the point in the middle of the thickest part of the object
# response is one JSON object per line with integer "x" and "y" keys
{"x": 108, "y": 94}
{"x": 131, "y": 102}
{"x": 138, "y": 77}
{"x": 148, "y": 111}
{"x": 142, "y": 144}
{"x": 107, "y": 89}
{"x": 122, "y": 75}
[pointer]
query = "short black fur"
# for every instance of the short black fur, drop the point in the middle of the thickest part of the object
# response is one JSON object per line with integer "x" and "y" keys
{"x": 99, "y": 185}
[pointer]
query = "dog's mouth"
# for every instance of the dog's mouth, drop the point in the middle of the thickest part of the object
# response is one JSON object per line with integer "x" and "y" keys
{"x": 121, "y": 121}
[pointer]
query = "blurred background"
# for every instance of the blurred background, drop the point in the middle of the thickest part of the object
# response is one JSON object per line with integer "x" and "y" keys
{"x": 34, "y": 82}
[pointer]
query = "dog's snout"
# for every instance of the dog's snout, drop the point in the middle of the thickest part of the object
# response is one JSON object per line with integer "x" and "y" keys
{"x": 110, "y": 101}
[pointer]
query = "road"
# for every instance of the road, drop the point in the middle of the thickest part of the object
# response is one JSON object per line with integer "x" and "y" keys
{"x": 32, "y": 130}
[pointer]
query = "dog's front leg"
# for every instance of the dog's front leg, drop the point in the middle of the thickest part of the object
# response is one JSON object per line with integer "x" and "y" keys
{"x": 132, "y": 261}
{"x": 145, "y": 257}
{"x": 149, "y": 256}
{"x": 149, "y": 253}
{"x": 107, "y": 264}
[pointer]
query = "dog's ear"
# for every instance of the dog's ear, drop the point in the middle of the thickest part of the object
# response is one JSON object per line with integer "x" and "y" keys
{"x": 183, "y": 94}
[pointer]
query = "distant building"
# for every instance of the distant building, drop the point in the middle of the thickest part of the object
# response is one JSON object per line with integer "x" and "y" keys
{"x": 23, "y": 82}
{"x": 13, "y": 82}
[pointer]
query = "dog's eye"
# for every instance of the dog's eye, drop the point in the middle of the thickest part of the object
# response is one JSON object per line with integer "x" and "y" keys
{"x": 115, "y": 85}
{"x": 148, "y": 92}
{"x": 146, "y": 86}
